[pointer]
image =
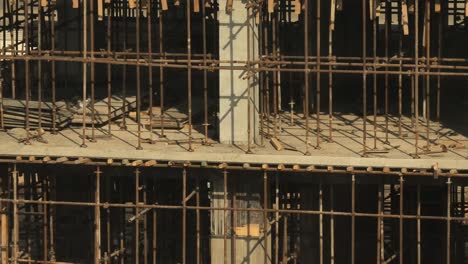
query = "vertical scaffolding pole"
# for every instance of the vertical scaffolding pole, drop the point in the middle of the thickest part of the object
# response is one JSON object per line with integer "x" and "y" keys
{"x": 428, "y": 69}
{"x": 400, "y": 62}
{"x": 184, "y": 214}
{"x": 39, "y": 66}
{"x": 109, "y": 67}
{"x": 85, "y": 56}
{"x": 379, "y": 226}
{"x": 26, "y": 68}
{"x": 249, "y": 132}
{"x": 416, "y": 76}
{"x": 205, "y": 79}
{"x": 306, "y": 74}
{"x": 364, "y": 77}
{"x": 150, "y": 71}
{"x": 93, "y": 76}
{"x": 332, "y": 225}
{"x": 97, "y": 217}
{"x": 331, "y": 28}
{"x": 265, "y": 216}
{"x": 138, "y": 81}
{"x": 4, "y": 243}
{"x": 277, "y": 219}
{"x": 161, "y": 70}
{"x": 15, "y": 214}
{"x": 52, "y": 46}
{"x": 353, "y": 217}
{"x": 45, "y": 225}
{"x": 137, "y": 218}
{"x": 155, "y": 228}
{"x": 318, "y": 74}
{"x": 321, "y": 222}
{"x": 401, "y": 220}
{"x": 225, "y": 190}
{"x": 388, "y": 17}
{"x": 449, "y": 215}
{"x": 418, "y": 226}
{"x": 189, "y": 76}
{"x": 197, "y": 197}
{"x": 374, "y": 19}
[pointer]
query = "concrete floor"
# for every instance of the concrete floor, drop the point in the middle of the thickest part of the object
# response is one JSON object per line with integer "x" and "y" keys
{"x": 345, "y": 149}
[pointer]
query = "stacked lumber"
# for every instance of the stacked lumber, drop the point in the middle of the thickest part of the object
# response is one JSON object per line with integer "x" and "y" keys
{"x": 173, "y": 118}
{"x": 14, "y": 114}
{"x": 101, "y": 111}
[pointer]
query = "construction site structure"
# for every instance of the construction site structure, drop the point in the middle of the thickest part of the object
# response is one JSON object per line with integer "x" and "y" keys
{"x": 234, "y": 131}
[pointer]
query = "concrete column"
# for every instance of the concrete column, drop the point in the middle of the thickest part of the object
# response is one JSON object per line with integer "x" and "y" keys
{"x": 238, "y": 40}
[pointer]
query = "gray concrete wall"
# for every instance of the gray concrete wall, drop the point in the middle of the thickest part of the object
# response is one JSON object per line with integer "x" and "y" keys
{"x": 234, "y": 29}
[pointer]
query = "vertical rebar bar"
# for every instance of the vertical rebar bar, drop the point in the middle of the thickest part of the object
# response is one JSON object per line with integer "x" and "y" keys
{"x": 53, "y": 73}
{"x": 15, "y": 214}
{"x": 150, "y": 72}
{"x": 379, "y": 227}
{"x": 45, "y": 219}
{"x": 198, "y": 230}
{"x": 318, "y": 82}
{"x": 401, "y": 220}
{"x": 418, "y": 226}
{"x": 428, "y": 69}
{"x": 306, "y": 74}
{"x": 321, "y": 223}
{"x": 416, "y": 76}
{"x": 249, "y": 117}
{"x": 205, "y": 77}
{"x": 109, "y": 67}
{"x": 353, "y": 217}
{"x": 39, "y": 67}
{"x": 137, "y": 218}
{"x": 225, "y": 229}
{"x": 26, "y": 68}
{"x": 332, "y": 225}
{"x": 374, "y": 19}
{"x": 449, "y": 215}
{"x": 364, "y": 77}
{"x": 85, "y": 56}
{"x": 400, "y": 77}
{"x": 277, "y": 219}
{"x": 330, "y": 74}
{"x": 189, "y": 76}
{"x": 388, "y": 17}
{"x": 161, "y": 71}
{"x": 184, "y": 214}
{"x": 97, "y": 217}
{"x": 265, "y": 217}
{"x": 138, "y": 81}
{"x": 93, "y": 75}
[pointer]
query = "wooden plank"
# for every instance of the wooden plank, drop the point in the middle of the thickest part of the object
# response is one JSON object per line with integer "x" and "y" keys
{"x": 43, "y": 3}
{"x": 131, "y": 4}
{"x": 271, "y": 6}
{"x": 164, "y": 6}
{"x": 196, "y": 6}
{"x": 332, "y": 14}
{"x": 297, "y": 7}
{"x": 371, "y": 9}
{"x": 404, "y": 18}
{"x": 100, "y": 10}
{"x": 466, "y": 8}
{"x": 437, "y": 6}
{"x": 75, "y": 4}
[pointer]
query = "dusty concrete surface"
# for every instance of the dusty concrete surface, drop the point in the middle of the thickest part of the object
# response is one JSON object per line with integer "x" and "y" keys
{"x": 344, "y": 150}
